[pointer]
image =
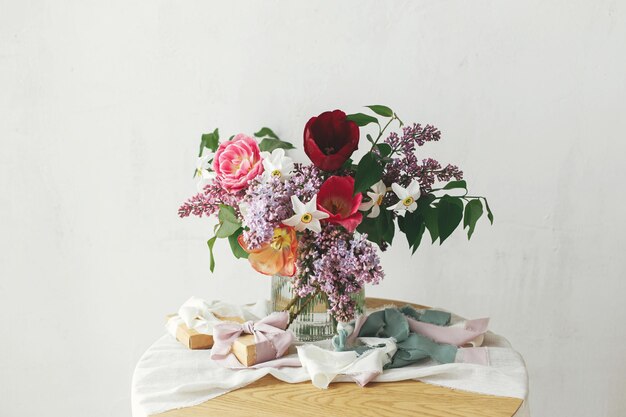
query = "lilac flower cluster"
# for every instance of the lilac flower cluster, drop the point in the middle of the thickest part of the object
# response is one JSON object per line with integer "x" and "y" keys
{"x": 405, "y": 166}
{"x": 339, "y": 264}
{"x": 431, "y": 170}
{"x": 421, "y": 135}
{"x": 268, "y": 203}
{"x": 208, "y": 202}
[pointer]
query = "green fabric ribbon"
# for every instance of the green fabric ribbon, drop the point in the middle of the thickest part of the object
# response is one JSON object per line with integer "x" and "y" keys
{"x": 412, "y": 347}
{"x": 439, "y": 318}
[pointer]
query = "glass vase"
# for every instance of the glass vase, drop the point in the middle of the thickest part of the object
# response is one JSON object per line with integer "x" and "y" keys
{"x": 314, "y": 322}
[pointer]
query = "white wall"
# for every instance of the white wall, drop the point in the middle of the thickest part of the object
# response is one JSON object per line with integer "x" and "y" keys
{"x": 102, "y": 106}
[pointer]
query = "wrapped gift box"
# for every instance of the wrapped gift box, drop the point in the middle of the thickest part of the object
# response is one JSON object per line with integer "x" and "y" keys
{"x": 194, "y": 339}
{"x": 244, "y": 349}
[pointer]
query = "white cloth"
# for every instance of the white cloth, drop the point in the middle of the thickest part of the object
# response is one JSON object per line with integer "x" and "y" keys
{"x": 323, "y": 364}
{"x": 200, "y": 315}
{"x": 170, "y": 376}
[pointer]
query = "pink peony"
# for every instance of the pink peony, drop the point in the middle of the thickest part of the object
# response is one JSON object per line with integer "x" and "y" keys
{"x": 237, "y": 162}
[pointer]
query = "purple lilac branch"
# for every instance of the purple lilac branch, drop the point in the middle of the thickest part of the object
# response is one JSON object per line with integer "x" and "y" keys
{"x": 337, "y": 263}
{"x": 208, "y": 202}
{"x": 405, "y": 166}
{"x": 268, "y": 203}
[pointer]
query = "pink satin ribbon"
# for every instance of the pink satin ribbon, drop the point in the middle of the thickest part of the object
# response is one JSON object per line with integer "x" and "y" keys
{"x": 270, "y": 336}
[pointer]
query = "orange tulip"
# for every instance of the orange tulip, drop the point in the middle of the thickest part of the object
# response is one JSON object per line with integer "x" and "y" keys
{"x": 278, "y": 256}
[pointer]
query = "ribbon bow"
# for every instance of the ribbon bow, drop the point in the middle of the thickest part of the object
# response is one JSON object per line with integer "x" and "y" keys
{"x": 270, "y": 336}
{"x": 414, "y": 344}
{"x": 200, "y": 315}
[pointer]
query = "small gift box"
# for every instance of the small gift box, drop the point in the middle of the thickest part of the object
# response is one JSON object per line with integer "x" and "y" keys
{"x": 245, "y": 349}
{"x": 191, "y": 337}
{"x": 194, "y": 322}
{"x": 251, "y": 343}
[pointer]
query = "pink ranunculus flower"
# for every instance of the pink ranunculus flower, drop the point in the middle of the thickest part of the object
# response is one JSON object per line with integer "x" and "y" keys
{"x": 237, "y": 162}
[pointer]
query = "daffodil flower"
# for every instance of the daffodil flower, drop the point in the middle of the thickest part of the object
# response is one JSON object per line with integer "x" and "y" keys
{"x": 276, "y": 164}
{"x": 376, "y": 198}
{"x": 307, "y": 215}
{"x": 408, "y": 197}
{"x": 203, "y": 170}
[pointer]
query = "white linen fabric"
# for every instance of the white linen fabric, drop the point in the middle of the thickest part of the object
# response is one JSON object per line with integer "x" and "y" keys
{"x": 324, "y": 365}
{"x": 201, "y": 316}
{"x": 170, "y": 376}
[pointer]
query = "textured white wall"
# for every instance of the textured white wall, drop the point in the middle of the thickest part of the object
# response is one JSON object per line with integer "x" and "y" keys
{"x": 102, "y": 106}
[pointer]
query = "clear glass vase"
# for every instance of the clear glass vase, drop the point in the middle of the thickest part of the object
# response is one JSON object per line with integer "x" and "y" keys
{"x": 314, "y": 322}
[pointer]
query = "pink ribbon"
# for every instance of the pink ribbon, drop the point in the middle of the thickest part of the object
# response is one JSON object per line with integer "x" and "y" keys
{"x": 270, "y": 336}
{"x": 452, "y": 335}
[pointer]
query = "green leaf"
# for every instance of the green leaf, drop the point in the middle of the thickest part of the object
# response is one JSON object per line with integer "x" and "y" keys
{"x": 348, "y": 164}
{"x": 362, "y": 119}
{"x": 455, "y": 184}
{"x": 386, "y": 225}
{"x": 227, "y": 213}
{"x": 381, "y": 110}
{"x": 418, "y": 239}
{"x": 210, "y": 244}
{"x": 473, "y": 211}
{"x": 369, "y": 172}
{"x": 233, "y": 240}
{"x": 229, "y": 223}
{"x": 430, "y": 215}
{"x": 269, "y": 144}
{"x": 412, "y": 224}
{"x": 450, "y": 213}
{"x": 379, "y": 229}
{"x": 384, "y": 149}
{"x": 369, "y": 138}
{"x": 266, "y": 131}
{"x": 489, "y": 213}
{"x": 370, "y": 228}
{"x": 227, "y": 229}
{"x": 210, "y": 141}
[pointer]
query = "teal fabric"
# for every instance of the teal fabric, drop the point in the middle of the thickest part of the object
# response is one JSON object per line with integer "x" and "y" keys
{"x": 439, "y": 318}
{"x": 389, "y": 322}
{"x": 417, "y": 347}
{"x": 412, "y": 347}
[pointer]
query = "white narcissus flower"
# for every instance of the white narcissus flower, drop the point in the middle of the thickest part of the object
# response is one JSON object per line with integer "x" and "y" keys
{"x": 408, "y": 197}
{"x": 243, "y": 208}
{"x": 203, "y": 163}
{"x": 307, "y": 215}
{"x": 203, "y": 170}
{"x": 276, "y": 164}
{"x": 376, "y": 198}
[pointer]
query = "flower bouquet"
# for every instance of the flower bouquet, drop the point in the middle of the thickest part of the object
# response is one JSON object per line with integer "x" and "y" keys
{"x": 317, "y": 226}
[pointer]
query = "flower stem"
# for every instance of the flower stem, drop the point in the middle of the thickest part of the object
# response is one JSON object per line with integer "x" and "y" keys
{"x": 464, "y": 197}
{"x": 380, "y": 134}
{"x": 293, "y": 301}
{"x": 293, "y": 315}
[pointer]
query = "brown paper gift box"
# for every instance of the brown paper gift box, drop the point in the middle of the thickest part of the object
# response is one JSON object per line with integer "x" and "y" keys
{"x": 244, "y": 349}
{"x": 194, "y": 340}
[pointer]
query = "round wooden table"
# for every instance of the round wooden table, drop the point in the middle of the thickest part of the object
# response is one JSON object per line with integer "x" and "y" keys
{"x": 269, "y": 397}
